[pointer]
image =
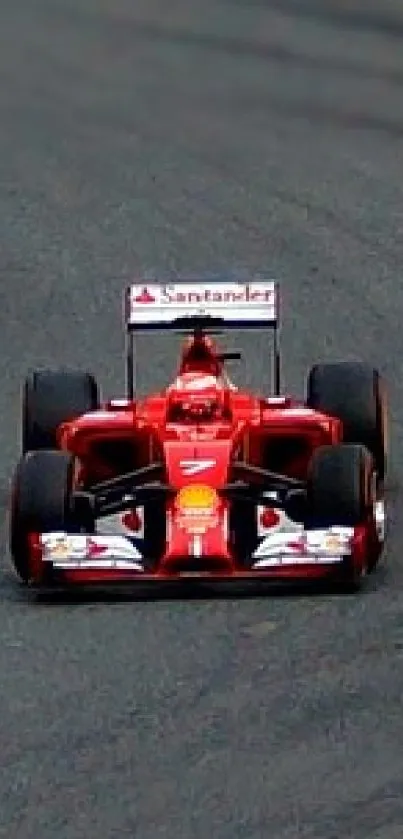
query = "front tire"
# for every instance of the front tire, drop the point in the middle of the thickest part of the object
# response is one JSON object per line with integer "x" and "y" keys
{"x": 341, "y": 492}
{"x": 40, "y": 502}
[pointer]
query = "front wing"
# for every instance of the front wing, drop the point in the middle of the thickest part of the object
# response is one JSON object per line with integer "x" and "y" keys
{"x": 68, "y": 559}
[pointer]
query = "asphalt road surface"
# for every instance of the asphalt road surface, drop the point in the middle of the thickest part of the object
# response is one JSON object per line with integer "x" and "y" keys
{"x": 200, "y": 136}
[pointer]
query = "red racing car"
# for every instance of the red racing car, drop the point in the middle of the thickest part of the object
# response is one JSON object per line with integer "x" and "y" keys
{"x": 203, "y": 480}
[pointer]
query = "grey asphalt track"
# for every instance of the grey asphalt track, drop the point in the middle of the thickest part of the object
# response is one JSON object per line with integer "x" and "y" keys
{"x": 155, "y": 136}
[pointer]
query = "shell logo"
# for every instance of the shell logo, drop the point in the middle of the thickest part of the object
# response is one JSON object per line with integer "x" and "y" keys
{"x": 196, "y": 496}
{"x": 197, "y": 506}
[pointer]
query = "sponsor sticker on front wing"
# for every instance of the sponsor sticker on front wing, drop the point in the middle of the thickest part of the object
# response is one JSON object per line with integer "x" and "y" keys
{"x": 79, "y": 550}
{"x": 325, "y": 546}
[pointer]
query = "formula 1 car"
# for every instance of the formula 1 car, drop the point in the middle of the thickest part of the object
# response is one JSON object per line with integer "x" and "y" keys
{"x": 202, "y": 481}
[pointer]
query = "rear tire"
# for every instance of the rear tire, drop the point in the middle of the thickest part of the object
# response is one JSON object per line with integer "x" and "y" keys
{"x": 40, "y": 501}
{"x": 341, "y": 491}
{"x": 51, "y": 397}
{"x": 355, "y": 393}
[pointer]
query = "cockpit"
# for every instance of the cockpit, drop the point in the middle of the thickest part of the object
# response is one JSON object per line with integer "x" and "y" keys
{"x": 198, "y": 398}
{"x": 201, "y": 391}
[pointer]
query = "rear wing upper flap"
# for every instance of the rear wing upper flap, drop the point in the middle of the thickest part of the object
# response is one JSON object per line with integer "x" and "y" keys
{"x": 252, "y": 304}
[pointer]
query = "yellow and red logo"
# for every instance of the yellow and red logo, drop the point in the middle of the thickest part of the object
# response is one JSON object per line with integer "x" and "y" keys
{"x": 196, "y": 505}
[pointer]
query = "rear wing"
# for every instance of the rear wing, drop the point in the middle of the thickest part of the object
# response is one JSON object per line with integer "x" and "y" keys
{"x": 231, "y": 305}
{"x": 201, "y": 305}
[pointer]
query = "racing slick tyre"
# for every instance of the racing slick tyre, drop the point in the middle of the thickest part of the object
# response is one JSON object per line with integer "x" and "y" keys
{"x": 341, "y": 491}
{"x": 40, "y": 501}
{"x": 51, "y": 397}
{"x": 354, "y": 392}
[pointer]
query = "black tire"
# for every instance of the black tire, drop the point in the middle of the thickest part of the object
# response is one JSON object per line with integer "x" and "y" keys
{"x": 355, "y": 393}
{"x": 51, "y": 397}
{"x": 341, "y": 491}
{"x": 40, "y": 501}
{"x": 340, "y": 485}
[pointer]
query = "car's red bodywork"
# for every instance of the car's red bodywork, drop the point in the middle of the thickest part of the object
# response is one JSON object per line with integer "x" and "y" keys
{"x": 197, "y": 450}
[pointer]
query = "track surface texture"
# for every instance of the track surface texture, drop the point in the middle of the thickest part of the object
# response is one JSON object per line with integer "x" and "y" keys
{"x": 201, "y": 136}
